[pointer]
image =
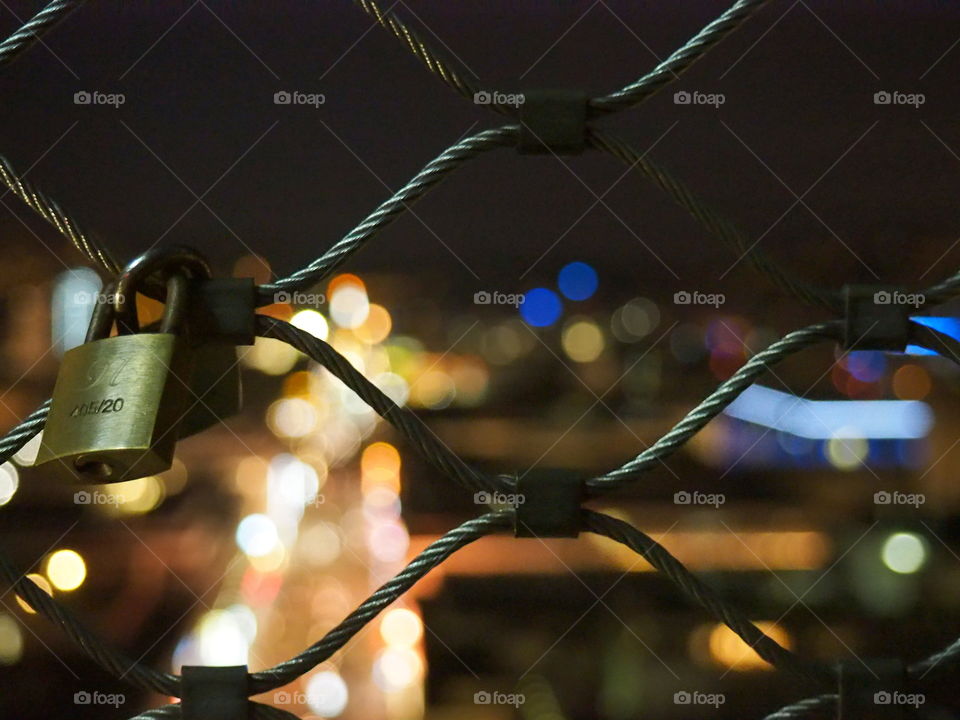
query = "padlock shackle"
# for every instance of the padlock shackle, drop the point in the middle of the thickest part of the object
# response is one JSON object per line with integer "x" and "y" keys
{"x": 162, "y": 262}
{"x": 102, "y": 319}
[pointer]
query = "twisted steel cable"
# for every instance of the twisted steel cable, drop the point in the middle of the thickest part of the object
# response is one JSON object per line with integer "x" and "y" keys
{"x": 433, "y": 555}
{"x": 400, "y": 417}
{"x": 111, "y": 660}
{"x": 815, "y": 706}
{"x": 943, "y": 290}
{"x": 36, "y": 26}
{"x": 146, "y": 678}
{"x": 713, "y": 405}
{"x": 422, "y": 51}
{"x": 437, "y": 169}
{"x": 714, "y": 223}
{"x": 21, "y": 434}
{"x": 679, "y": 60}
{"x": 50, "y": 210}
{"x": 658, "y": 556}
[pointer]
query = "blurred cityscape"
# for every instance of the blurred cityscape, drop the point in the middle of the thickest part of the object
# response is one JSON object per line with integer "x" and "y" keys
{"x": 830, "y": 519}
{"x": 535, "y": 312}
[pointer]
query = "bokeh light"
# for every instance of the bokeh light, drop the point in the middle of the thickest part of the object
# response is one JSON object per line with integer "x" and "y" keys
{"x": 291, "y": 417}
{"x": 577, "y": 281}
{"x": 66, "y": 570}
{"x": 312, "y": 322}
{"x": 349, "y": 306}
{"x": 904, "y": 553}
{"x": 9, "y": 482}
{"x": 541, "y": 307}
{"x": 327, "y": 693}
{"x": 582, "y": 340}
{"x": 11, "y": 640}
{"x": 257, "y": 535}
{"x": 401, "y": 627}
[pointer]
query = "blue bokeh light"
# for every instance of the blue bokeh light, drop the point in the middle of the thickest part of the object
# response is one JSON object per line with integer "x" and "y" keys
{"x": 541, "y": 307}
{"x": 947, "y": 325}
{"x": 577, "y": 281}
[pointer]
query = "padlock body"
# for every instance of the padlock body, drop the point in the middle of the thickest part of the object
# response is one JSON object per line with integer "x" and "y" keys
{"x": 116, "y": 408}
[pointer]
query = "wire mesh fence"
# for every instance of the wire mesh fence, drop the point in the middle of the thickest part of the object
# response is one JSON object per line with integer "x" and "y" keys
{"x": 861, "y": 318}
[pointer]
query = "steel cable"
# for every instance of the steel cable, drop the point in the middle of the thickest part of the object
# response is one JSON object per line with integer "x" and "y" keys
{"x": 437, "y": 169}
{"x": 719, "y": 399}
{"x": 50, "y": 210}
{"x": 405, "y": 421}
{"x": 679, "y": 60}
{"x": 658, "y": 556}
{"x": 714, "y": 223}
{"x": 36, "y": 26}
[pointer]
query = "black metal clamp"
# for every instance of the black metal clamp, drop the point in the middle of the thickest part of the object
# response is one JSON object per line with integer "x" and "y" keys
{"x": 876, "y": 689}
{"x": 548, "y": 504}
{"x": 214, "y": 693}
{"x": 553, "y": 121}
{"x": 877, "y": 317}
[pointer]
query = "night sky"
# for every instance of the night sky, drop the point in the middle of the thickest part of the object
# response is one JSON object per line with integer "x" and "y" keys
{"x": 287, "y": 182}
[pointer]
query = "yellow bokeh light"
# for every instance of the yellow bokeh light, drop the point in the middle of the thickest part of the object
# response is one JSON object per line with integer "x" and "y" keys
{"x": 275, "y": 559}
{"x": 11, "y": 640}
{"x": 729, "y": 650}
{"x": 132, "y": 497}
{"x": 583, "y": 340}
{"x": 312, "y": 322}
{"x": 43, "y": 584}
{"x": 66, "y": 570}
{"x": 376, "y": 327}
{"x": 291, "y": 418}
{"x": 401, "y": 627}
{"x": 847, "y": 453}
{"x": 380, "y": 466}
{"x": 269, "y": 356}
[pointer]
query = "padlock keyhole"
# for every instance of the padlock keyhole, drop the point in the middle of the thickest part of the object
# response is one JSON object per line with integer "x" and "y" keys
{"x": 97, "y": 469}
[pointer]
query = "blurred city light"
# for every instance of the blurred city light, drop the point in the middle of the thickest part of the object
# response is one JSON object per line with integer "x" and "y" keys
{"x": 66, "y": 570}
{"x": 577, "y": 281}
{"x": 904, "y": 553}
{"x": 9, "y": 482}
{"x": 541, "y": 307}
{"x": 827, "y": 419}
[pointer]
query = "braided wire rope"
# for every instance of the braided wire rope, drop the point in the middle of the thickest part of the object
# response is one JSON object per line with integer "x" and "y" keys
{"x": 48, "y": 208}
{"x": 412, "y": 428}
{"x": 30, "y": 31}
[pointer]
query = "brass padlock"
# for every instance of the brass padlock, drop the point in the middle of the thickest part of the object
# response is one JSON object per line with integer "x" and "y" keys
{"x": 118, "y": 401}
